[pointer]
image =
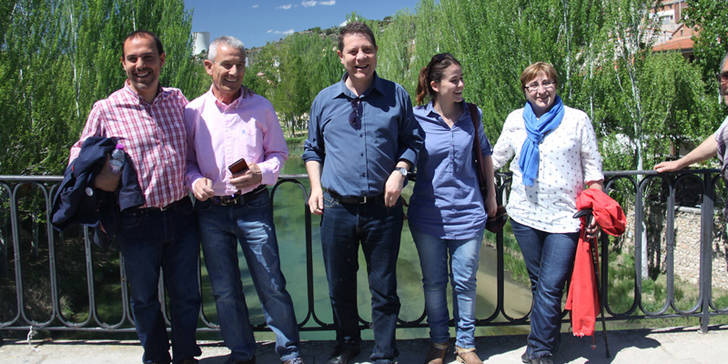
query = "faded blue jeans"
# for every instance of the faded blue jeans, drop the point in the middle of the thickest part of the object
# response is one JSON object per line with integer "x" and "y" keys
{"x": 251, "y": 225}
{"x": 378, "y": 229}
{"x": 549, "y": 258}
{"x": 456, "y": 261}
{"x": 150, "y": 239}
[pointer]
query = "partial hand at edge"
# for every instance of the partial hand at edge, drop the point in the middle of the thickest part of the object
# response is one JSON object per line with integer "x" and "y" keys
{"x": 251, "y": 177}
{"x": 316, "y": 202}
{"x": 393, "y": 188}
{"x": 106, "y": 180}
{"x": 202, "y": 189}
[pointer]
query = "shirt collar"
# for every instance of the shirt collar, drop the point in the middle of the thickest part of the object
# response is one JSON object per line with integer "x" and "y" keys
{"x": 375, "y": 86}
{"x": 221, "y": 105}
{"x": 431, "y": 112}
{"x": 161, "y": 93}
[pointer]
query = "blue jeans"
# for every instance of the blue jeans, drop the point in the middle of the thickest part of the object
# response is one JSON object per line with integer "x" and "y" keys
{"x": 151, "y": 239}
{"x": 462, "y": 269}
{"x": 549, "y": 258}
{"x": 378, "y": 229}
{"x": 251, "y": 225}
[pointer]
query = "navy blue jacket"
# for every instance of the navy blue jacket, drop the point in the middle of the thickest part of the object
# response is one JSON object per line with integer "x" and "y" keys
{"x": 77, "y": 202}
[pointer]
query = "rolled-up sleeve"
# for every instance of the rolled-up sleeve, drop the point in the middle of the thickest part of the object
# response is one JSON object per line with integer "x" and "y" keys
{"x": 313, "y": 147}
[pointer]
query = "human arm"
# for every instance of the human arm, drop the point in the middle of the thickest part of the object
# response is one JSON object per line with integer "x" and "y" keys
{"x": 491, "y": 204}
{"x": 313, "y": 156}
{"x": 707, "y": 149}
{"x": 410, "y": 140}
{"x": 395, "y": 183}
{"x": 503, "y": 150}
{"x": 316, "y": 198}
{"x": 591, "y": 162}
{"x": 105, "y": 179}
{"x": 200, "y": 185}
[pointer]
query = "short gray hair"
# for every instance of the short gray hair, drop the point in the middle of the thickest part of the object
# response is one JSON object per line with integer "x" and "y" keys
{"x": 227, "y": 40}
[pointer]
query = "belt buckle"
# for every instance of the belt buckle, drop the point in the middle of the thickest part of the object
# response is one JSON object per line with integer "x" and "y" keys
{"x": 228, "y": 200}
{"x": 363, "y": 200}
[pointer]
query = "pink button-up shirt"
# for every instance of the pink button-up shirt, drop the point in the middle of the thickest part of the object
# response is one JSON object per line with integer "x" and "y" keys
{"x": 220, "y": 134}
{"x": 153, "y": 135}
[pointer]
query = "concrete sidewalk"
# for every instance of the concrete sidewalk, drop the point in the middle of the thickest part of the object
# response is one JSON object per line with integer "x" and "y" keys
{"x": 680, "y": 345}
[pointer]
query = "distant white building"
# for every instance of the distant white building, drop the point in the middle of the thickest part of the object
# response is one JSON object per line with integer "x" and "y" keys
{"x": 200, "y": 42}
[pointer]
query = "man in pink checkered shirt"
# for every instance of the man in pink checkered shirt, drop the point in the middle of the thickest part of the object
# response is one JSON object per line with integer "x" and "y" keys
{"x": 148, "y": 119}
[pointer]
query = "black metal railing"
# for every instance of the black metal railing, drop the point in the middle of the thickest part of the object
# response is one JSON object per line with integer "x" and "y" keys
{"x": 38, "y": 264}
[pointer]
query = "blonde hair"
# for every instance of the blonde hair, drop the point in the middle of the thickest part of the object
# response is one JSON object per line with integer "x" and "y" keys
{"x": 534, "y": 69}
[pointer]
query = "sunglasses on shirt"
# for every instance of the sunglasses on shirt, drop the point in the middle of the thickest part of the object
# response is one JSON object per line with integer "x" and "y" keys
{"x": 355, "y": 116}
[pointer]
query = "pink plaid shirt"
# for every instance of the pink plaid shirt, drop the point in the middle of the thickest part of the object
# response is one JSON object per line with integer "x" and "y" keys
{"x": 153, "y": 136}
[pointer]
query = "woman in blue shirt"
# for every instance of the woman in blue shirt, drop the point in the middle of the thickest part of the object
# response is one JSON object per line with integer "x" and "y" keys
{"x": 446, "y": 213}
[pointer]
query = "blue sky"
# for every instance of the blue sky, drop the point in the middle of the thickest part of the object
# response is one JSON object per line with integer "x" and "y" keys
{"x": 256, "y": 22}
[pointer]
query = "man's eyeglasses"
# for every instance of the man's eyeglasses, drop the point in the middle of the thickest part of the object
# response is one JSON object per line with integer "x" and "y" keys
{"x": 722, "y": 77}
{"x": 547, "y": 85}
{"x": 355, "y": 116}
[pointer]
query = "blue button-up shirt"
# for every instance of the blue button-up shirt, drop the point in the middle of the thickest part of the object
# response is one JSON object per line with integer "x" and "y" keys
{"x": 359, "y": 154}
{"x": 446, "y": 202}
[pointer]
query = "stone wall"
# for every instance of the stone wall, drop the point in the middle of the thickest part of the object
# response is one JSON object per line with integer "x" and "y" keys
{"x": 687, "y": 246}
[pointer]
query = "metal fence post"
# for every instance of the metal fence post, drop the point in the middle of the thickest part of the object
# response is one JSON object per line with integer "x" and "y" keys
{"x": 706, "y": 250}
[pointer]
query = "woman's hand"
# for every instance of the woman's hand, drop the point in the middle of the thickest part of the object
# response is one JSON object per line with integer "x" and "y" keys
{"x": 592, "y": 231}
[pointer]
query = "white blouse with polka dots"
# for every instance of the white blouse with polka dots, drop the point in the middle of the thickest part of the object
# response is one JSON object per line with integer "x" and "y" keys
{"x": 569, "y": 159}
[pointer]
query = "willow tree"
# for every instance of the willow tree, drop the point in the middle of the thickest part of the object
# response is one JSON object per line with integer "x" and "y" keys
{"x": 58, "y": 57}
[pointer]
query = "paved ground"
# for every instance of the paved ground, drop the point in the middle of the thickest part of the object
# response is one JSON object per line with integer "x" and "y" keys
{"x": 667, "y": 346}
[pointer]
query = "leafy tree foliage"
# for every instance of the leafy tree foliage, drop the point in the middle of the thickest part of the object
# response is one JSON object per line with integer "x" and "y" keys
{"x": 58, "y": 57}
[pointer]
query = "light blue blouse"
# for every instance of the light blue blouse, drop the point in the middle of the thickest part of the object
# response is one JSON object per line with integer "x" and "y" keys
{"x": 446, "y": 202}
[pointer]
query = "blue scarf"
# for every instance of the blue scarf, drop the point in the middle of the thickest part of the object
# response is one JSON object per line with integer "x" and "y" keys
{"x": 536, "y": 130}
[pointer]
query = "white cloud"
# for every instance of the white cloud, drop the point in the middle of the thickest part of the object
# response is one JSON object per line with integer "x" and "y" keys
{"x": 328, "y": 3}
{"x": 285, "y": 7}
{"x": 308, "y": 4}
{"x": 255, "y": 6}
{"x": 284, "y": 32}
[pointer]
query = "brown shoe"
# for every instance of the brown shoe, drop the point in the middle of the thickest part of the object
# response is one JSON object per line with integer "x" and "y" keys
{"x": 467, "y": 356}
{"x": 436, "y": 354}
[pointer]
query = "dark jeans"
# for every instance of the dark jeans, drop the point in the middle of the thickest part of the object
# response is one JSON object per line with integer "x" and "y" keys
{"x": 150, "y": 240}
{"x": 549, "y": 258}
{"x": 378, "y": 229}
{"x": 251, "y": 225}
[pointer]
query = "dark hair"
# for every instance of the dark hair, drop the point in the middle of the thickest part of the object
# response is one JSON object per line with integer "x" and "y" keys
{"x": 433, "y": 72}
{"x": 356, "y": 28}
{"x": 142, "y": 34}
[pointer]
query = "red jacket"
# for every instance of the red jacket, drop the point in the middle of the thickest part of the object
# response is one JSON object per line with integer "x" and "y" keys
{"x": 582, "y": 299}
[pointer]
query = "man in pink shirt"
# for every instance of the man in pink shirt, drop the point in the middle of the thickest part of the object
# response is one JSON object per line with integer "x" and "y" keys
{"x": 148, "y": 119}
{"x": 224, "y": 126}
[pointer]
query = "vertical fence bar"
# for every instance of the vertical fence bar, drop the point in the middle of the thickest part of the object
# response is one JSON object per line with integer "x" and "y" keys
{"x": 706, "y": 250}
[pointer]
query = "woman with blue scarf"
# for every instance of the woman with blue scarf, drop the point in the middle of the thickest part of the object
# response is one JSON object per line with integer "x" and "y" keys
{"x": 555, "y": 157}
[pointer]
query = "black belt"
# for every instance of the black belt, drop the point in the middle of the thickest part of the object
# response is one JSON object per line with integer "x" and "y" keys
{"x": 354, "y": 200}
{"x": 183, "y": 202}
{"x": 238, "y": 199}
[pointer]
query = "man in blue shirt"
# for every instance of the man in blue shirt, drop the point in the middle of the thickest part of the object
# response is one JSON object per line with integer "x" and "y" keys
{"x": 362, "y": 141}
